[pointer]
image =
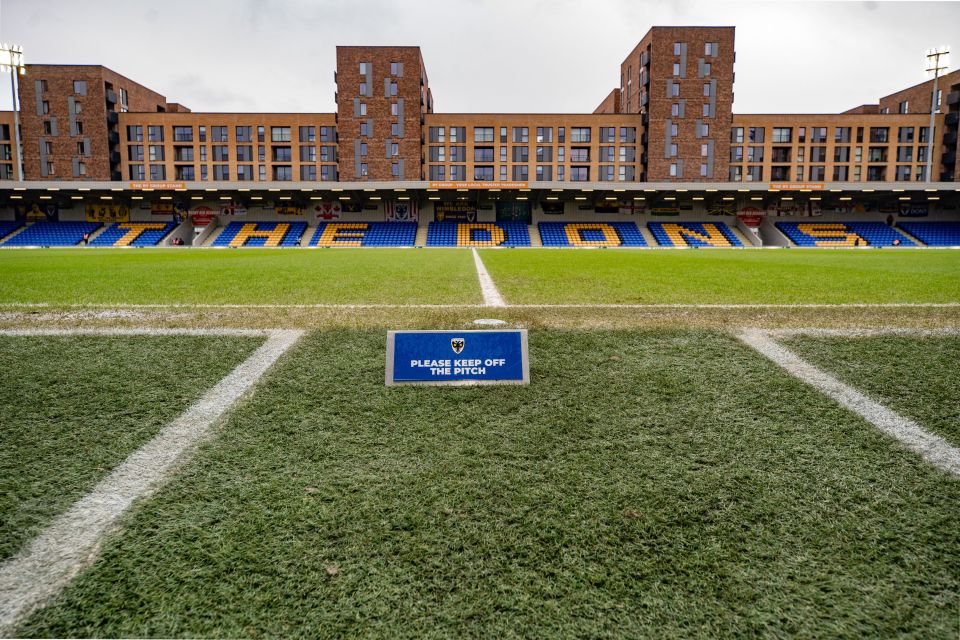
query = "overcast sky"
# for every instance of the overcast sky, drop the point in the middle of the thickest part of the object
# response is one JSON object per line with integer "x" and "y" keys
{"x": 540, "y": 56}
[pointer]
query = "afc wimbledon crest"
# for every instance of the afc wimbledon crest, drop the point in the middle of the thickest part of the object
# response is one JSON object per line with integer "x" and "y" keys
{"x": 457, "y": 344}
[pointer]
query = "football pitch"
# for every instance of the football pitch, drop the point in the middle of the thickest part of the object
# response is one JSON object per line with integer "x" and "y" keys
{"x": 713, "y": 443}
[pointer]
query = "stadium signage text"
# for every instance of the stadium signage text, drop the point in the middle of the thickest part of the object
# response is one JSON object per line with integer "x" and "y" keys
{"x": 457, "y": 357}
{"x": 158, "y": 185}
{"x": 479, "y": 185}
{"x": 796, "y": 186}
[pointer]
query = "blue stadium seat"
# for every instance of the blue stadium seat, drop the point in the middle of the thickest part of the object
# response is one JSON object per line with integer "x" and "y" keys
{"x": 590, "y": 234}
{"x": 934, "y": 234}
{"x": 693, "y": 234}
{"x": 133, "y": 234}
{"x": 250, "y": 233}
{"x": 365, "y": 234}
{"x": 478, "y": 234}
{"x": 8, "y": 226}
{"x": 52, "y": 234}
{"x": 843, "y": 234}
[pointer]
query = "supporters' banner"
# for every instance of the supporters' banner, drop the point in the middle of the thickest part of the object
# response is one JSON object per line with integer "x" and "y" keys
{"x": 233, "y": 209}
{"x": 36, "y": 212}
{"x": 201, "y": 216}
{"x": 722, "y": 209}
{"x": 914, "y": 210}
{"x": 751, "y": 216}
{"x": 454, "y": 212}
{"x": 513, "y": 212}
{"x": 552, "y": 208}
{"x": 352, "y": 207}
{"x": 327, "y": 210}
{"x": 288, "y": 210}
{"x": 161, "y": 209}
{"x": 401, "y": 211}
{"x": 108, "y": 213}
{"x": 607, "y": 207}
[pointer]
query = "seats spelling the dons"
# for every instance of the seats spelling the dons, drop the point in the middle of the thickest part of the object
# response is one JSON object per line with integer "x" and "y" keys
{"x": 52, "y": 234}
{"x": 590, "y": 234}
{"x": 934, "y": 234}
{"x": 843, "y": 234}
{"x": 133, "y": 234}
{"x": 478, "y": 234}
{"x": 364, "y": 234}
{"x": 693, "y": 234}
{"x": 8, "y": 226}
{"x": 261, "y": 234}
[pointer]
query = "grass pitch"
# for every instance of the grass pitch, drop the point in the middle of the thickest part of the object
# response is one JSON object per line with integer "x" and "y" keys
{"x": 725, "y": 277}
{"x": 659, "y": 483}
{"x": 919, "y": 377}
{"x": 73, "y": 407}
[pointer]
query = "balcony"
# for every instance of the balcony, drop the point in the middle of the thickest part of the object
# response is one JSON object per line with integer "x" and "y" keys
{"x": 953, "y": 97}
{"x": 950, "y": 138}
{"x": 949, "y": 158}
{"x": 113, "y": 138}
{"x": 112, "y": 117}
{"x": 114, "y": 157}
{"x": 116, "y": 176}
{"x": 111, "y": 96}
{"x": 952, "y": 119}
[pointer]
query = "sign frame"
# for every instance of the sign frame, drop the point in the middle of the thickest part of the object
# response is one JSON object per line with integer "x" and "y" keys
{"x": 524, "y": 360}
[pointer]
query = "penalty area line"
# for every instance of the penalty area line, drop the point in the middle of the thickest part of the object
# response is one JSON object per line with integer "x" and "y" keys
{"x": 44, "y": 566}
{"x": 930, "y": 447}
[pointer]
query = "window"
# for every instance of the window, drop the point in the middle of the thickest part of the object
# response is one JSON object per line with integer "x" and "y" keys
{"x": 877, "y": 154}
{"x": 134, "y": 152}
{"x": 308, "y": 153}
{"x": 363, "y": 149}
{"x": 395, "y": 130}
{"x": 755, "y": 173}
{"x": 904, "y": 154}
{"x": 458, "y": 172}
{"x": 876, "y": 174}
{"x": 736, "y": 174}
{"x": 706, "y": 90}
{"x": 158, "y": 172}
{"x": 503, "y": 134}
{"x": 262, "y": 172}
{"x": 77, "y": 107}
{"x": 394, "y": 149}
{"x": 483, "y": 154}
{"x": 483, "y": 134}
{"x": 840, "y": 174}
{"x": 79, "y": 128}
{"x": 156, "y": 153}
{"x": 203, "y": 155}
{"x": 579, "y": 154}
{"x": 756, "y": 134}
{"x": 308, "y": 172}
{"x": 364, "y": 128}
{"x": 221, "y": 172}
{"x": 458, "y": 134}
{"x": 244, "y": 172}
{"x": 544, "y": 134}
{"x": 47, "y": 128}
{"x": 628, "y": 134}
{"x": 135, "y": 133}
{"x": 544, "y": 172}
{"x": 905, "y": 134}
{"x": 580, "y": 174}
{"x": 579, "y": 134}
{"x": 674, "y": 89}
{"x": 521, "y": 154}
{"x": 736, "y": 135}
{"x": 48, "y": 148}
{"x": 673, "y": 170}
{"x": 755, "y": 154}
{"x": 706, "y": 110}
{"x": 561, "y": 134}
{"x": 394, "y": 68}
{"x": 328, "y": 154}
{"x": 841, "y": 134}
{"x": 841, "y": 154}
{"x": 673, "y": 150}
{"x": 521, "y": 134}
{"x": 282, "y": 173}
{"x": 364, "y": 67}
{"x": 782, "y": 134}
{"x": 245, "y": 153}
{"x": 221, "y": 153}
{"x": 363, "y": 108}
{"x": 328, "y": 173}
{"x": 280, "y": 134}
{"x": 307, "y": 134}
{"x": 183, "y": 134}
{"x": 710, "y": 49}
{"x": 363, "y": 89}
{"x": 328, "y": 134}
{"x": 180, "y": 154}
{"x": 879, "y": 134}
{"x": 137, "y": 172}
{"x": 706, "y": 68}
{"x": 393, "y": 88}
{"x": 261, "y": 153}
{"x": 818, "y": 174}
{"x": 483, "y": 173}
{"x": 904, "y": 108}
{"x": 45, "y": 107}
{"x": 438, "y": 154}
{"x": 674, "y": 129}
{"x": 437, "y": 134}
{"x": 437, "y": 172}
{"x": 704, "y": 150}
{"x": 394, "y": 109}
{"x": 704, "y": 129}
{"x": 675, "y": 110}
{"x": 676, "y": 48}
{"x": 818, "y": 154}
{"x": 924, "y": 133}
{"x": 364, "y": 169}
{"x": 818, "y": 134}
{"x": 260, "y": 134}
{"x": 676, "y": 68}
{"x": 736, "y": 154}
{"x": 154, "y": 133}
{"x": 781, "y": 154}
{"x": 186, "y": 172}
{"x": 560, "y": 152}
{"x": 80, "y": 87}
{"x": 628, "y": 174}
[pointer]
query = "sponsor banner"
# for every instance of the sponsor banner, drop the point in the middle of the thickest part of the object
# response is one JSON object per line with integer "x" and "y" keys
{"x": 751, "y": 216}
{"x": 201, "y": 216}
{"x": 914, "y": 210}
{"x": 233, "y": 209}
{"x": 552, "y": 208}
{"x": 37, "y": 212}
{"x": 352, "y": 207}
{"x": 454, "y": 211}
{"x": 108, "y": 213}
{"x": 161, "y": 209}
{"x": 405, "y": 211}
{"x": 796, "y": 186}
{"x": 513, "y": 212}
{"x": 327, "y": 210}
{"x": 613, "y": 207}
{"x": 457, "y": 357}
{"x": 288, "y": 210}
{"x": 158, "y": 185}
{"x": 479, "y": 185}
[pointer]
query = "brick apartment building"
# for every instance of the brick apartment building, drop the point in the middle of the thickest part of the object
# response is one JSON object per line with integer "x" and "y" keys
{"x": 671, "y": 120}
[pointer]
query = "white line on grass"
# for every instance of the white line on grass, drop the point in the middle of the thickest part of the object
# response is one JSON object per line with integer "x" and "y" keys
{"x": 181, "y": 305}
{"x": 931, "y": 448}
{"x": 491, "y": 297}
{"x": 71, "y": 542}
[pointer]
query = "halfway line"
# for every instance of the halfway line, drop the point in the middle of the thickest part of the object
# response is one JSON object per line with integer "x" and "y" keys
{"x": 491, "y": 297}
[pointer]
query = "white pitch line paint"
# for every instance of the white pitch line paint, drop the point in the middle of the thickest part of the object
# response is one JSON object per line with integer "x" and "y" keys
{"x": 491, "y": 297}
{"x": 864, "y": 333}
{"x": 640, "y": 306}
{"x": 931, "y": 448}
{"x": 71, "y": 542}
{"x": 121, "y": 331}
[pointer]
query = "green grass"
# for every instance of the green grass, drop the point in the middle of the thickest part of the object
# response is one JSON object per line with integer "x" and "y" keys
{"x": 662, "y": 484}
{"x": 72, "y": 408}
{"x": 248, "y": 276}
{"x": 725, "y": 277}
{"x": 919, "y": 377}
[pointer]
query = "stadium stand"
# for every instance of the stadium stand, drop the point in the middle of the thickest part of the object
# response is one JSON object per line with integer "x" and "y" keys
{"x": 843, "y": 234}
{"x": 478, "y": 234}
{"x": 133, "y": 234}
{"x": 52, "y": 234}
{"x": 364, "y": 234}
{"x": 693, "y": 234}
{"x": 261, "y": 234}
{"x": 8, "y": 226}
{"x": 590, "y": 234}
{"x": 934, "y": 234}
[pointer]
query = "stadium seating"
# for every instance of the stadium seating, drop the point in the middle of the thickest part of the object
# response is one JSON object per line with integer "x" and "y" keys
{"x": 261, "y": 234}
{"x": 934, "y": 234}
{"x": 693, "y": 234}
{"x": 9, "y": 226}
{"x": 133, "y": 234}
{"x": 52, "y": 234}
{"x": 478, "y": 234}
{"x": 843, "y": 234}
{"x": 590, "y": 234}
{"x": 365, "y": 234}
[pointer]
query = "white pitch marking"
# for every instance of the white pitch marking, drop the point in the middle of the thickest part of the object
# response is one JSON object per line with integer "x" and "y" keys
{"x": 179, "y": 305}
{"x": 931, "y": 448}
{"x": 71, "y": 542}
{"x": 491, "y": 297}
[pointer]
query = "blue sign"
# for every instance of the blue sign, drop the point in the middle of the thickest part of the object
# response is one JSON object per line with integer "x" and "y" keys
{"x": 457, "y": 357}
